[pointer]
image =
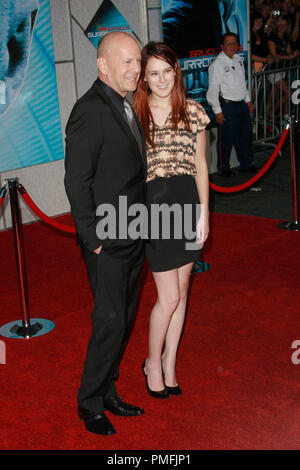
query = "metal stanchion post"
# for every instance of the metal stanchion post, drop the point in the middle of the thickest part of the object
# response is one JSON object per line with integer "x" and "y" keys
{"x": 295, "y": 224}
{"x": 200, "y": 265}
{"x": 24, "y": 328}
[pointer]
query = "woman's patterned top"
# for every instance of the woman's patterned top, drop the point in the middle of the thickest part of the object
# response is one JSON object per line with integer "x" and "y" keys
{"x": 174, "y": 151}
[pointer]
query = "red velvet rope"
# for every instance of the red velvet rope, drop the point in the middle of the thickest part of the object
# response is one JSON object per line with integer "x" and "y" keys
{"x": 2, "y": 194}
{"x": 258, "y": 175}
{"x": 41, "y": 214}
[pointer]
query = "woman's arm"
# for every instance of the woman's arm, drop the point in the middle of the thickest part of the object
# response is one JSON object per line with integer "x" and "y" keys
{"x": 289, "y": 55}
{"x": 269, "y": 25}
{"x": 202, "y": 184}
{"x": 272, "y": 49}
{"x": 262, "y": 60}
{"x": 295, "y": 32}
{"x": 256, "y": 58}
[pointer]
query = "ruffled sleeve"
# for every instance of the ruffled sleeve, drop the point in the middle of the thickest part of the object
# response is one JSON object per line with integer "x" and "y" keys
{"x": 202, "y": 118}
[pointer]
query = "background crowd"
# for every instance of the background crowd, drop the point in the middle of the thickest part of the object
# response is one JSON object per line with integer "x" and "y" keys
{"x": 274, "y": 31}
{"x": 275, "y": 42}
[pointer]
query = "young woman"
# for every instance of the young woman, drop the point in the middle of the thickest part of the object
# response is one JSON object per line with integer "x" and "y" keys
{"x": 174, "y": 128}
{"x": 279, "y": 41}
{"x": 280, "y": 48}
{"x": 259, "y": 43}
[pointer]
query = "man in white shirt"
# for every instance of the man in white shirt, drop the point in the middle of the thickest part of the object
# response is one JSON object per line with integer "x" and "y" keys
{"x": 229, "y": 98}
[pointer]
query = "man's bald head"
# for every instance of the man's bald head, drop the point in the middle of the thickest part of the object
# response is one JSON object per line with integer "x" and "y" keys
{"x": 118, "y": 60}
{"x": 111, "y": 41}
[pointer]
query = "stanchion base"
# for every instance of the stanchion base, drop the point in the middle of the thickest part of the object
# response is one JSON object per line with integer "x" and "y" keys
{"x": 200, "y": 267}
{"x": 16, "y": 329}
{"x": 26, "y": 331}
{"x": 289, "y": 226}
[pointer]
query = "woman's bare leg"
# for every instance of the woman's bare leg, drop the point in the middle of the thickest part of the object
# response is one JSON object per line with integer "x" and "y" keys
{"x": 167, "y": 284}
{"x": 175, "y": 327}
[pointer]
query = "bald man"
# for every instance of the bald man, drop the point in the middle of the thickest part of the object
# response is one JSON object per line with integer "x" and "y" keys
{"x": 105, "y": 159}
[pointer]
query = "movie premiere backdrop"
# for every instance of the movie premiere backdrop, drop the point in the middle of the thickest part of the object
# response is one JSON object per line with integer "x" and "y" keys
{"x": 30, "y": 128}
{"x": 194, "y": 28}
{"x": 106, "y": 19}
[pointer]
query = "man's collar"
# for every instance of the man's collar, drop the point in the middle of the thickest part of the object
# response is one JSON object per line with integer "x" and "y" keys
{"x": 226, "y": 56}
{"x": 111, "y": 93}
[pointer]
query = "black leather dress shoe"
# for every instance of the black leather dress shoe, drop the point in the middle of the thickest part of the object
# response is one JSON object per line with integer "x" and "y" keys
{"x": 96, "y": 422}
{"x": 227, "y": 173}
{"x": 118, "y": 407}
{"x": 251, "y": 169}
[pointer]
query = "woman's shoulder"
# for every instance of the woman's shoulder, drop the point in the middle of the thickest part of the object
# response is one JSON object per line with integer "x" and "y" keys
{"x": 194, "y": 107}
{"x": 197, "y": 113}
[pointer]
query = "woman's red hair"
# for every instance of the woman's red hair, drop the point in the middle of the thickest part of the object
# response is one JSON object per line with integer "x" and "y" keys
{"x": 178, "y": 94}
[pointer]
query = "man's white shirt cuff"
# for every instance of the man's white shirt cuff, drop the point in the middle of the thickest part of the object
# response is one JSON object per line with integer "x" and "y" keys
{"x": 217, "y": 110}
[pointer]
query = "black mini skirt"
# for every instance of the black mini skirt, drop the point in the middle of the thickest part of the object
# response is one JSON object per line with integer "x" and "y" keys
{"x": 172, "y": 219}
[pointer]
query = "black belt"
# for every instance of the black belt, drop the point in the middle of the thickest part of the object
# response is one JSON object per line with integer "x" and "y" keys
{"x": 225, "y": 101}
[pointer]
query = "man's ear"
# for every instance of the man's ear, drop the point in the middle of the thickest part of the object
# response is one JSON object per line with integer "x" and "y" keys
{"x": 102, "y": 65}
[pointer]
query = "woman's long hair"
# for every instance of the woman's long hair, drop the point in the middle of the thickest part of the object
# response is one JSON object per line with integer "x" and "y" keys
{"x": 256, "y": 16}
{"x": 279, "y": 21}
{"x": 178, "y": 94}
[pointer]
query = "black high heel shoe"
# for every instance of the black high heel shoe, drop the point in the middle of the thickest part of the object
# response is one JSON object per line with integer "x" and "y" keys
{"x": 171, "y": 390}
{"x": 174, "y": 390}
{"x": 161, "y": 393}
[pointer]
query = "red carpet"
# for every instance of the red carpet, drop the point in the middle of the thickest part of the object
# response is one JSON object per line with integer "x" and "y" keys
{"x": 240, "y": 387}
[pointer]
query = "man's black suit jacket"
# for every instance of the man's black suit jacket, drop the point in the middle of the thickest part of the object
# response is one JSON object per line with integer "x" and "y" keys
{"x": 102, "y": 162}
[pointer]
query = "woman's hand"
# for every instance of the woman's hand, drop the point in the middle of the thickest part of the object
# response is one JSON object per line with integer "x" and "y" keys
{"x": 202, "y": 229}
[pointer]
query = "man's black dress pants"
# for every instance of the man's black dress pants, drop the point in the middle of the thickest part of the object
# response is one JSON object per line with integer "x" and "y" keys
{"x": 236, "y": 131}
{"x": 114, "y": 276}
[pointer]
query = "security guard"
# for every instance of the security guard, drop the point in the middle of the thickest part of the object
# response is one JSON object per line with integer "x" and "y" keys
{"x": 230, "y": 101}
